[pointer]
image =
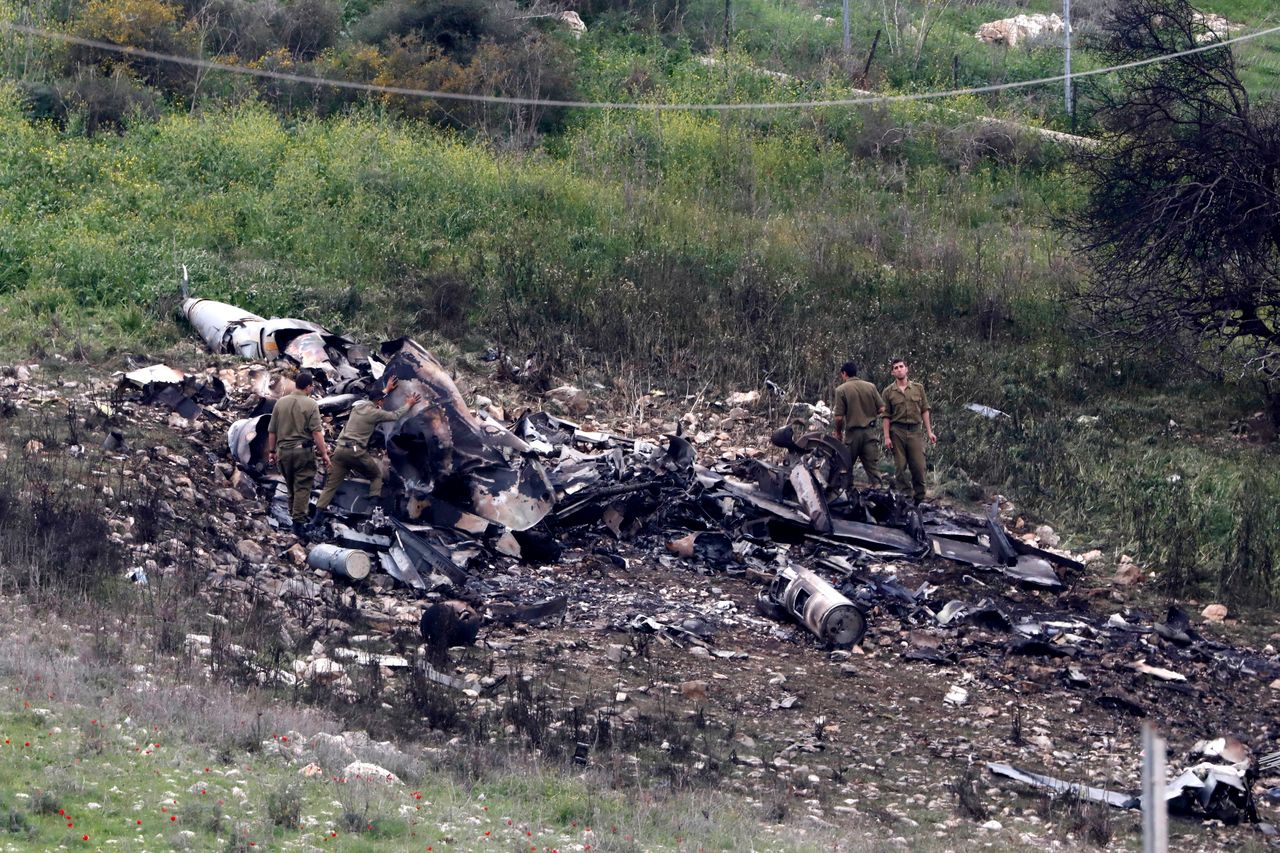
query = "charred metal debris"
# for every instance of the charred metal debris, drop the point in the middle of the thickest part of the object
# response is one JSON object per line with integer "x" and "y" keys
{"x": 467, "y": 492}
{"x": 1217, "y": 783}
{"x": 465, "y": 489}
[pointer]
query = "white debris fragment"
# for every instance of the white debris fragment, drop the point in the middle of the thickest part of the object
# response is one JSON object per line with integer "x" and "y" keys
{"x": 1157, "y": 672}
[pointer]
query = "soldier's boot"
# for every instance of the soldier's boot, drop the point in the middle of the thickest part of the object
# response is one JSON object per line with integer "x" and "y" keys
{"x": 319, "y": 518}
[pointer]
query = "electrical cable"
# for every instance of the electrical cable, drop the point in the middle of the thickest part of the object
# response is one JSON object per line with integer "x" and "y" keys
{"x": 375, "y": 88}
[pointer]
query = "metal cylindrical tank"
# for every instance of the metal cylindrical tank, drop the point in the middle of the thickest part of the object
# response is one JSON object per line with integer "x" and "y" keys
{"x": 347, "y": 562}
{"x": 822, "y": 609}
{"x": 217, "y": 322}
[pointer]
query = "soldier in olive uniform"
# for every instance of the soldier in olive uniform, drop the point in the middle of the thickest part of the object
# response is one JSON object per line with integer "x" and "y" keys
{"x": 294, "y": 428}
{"x": 858, "y": 405}
{"x": 353, "y": 444}
{"x": 907, "y": 421}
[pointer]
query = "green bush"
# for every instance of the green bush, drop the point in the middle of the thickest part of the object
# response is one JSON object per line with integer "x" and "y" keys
{"x": 284, "y": 805}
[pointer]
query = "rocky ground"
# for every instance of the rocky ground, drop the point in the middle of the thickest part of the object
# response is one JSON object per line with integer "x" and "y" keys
{"x": 661, "y": 666}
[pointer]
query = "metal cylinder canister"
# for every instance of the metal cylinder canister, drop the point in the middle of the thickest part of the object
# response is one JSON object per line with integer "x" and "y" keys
{"x": 347, "y": 562}
{"x": 822, "y": 609}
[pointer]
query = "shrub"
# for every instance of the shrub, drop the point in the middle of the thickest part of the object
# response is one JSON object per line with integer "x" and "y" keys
{"x": 206, "y": 814}
{"x": 284, "y": 805}
{"x": 45, "y": 803}
{"x": 455, "y": 26}
{"x": 43, "y": 102}
{"x": 307, "y": 27}
{"x": 148, "y": 24}
{"x": 53, "y": 539}
{"x": 241, "y": 28}
{"x": 14, "y": 822}
{"x": 110, "y": 102}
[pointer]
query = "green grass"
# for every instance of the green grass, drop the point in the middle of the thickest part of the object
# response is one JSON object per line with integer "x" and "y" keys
{"x": 366, "y": 223}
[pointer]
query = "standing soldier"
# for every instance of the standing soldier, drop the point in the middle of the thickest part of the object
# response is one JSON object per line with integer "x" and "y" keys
{"x": 294, "y": 428}
{"x": 906, "y": 414}
{"x": 353, "y": 444}
{"x": 858, "y": 405}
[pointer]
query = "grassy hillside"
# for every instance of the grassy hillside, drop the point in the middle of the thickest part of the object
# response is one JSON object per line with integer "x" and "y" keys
{"x": 691, "y": 248}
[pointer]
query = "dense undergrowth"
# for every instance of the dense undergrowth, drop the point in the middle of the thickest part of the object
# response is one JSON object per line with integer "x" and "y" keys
{"x": 709, "y": 249}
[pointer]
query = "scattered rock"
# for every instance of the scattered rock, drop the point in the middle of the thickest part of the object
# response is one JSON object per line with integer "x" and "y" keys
{"x": 1019, "y": 29}
{"x": 324, "y": 671}
{"x": 1216, "y": 26}
{"x": 370, "y": 773}
{"x": 1128, "y": 573}
{"x": 569, "y": 399}
{"x": 251, "y": 551}
{"x": 695, "y": 691}
{"x": 1214, "y": 613}
{"x": 1041, "y": 741}
{"x": 743, "y": 398}
{"x": 573, "y": 21}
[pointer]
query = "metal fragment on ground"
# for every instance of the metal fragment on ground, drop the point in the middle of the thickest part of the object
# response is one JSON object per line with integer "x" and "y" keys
{"x": 347, "y": 562}
{"x": 449, "y": 623}
{"x": 818, "y": 606}
{"x": 510, "y": 614}
{"x": 1058, "y": 786}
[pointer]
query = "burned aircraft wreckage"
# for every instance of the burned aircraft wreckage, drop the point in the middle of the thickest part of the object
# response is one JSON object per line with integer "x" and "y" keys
{"x": 466, "y": 491}
{"x": 463, "y": 485}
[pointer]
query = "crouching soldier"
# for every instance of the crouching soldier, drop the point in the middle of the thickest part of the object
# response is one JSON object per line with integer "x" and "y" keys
{"x": 352, "y": 451}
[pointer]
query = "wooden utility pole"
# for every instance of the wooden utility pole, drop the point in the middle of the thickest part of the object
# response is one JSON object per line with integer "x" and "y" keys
{"x": 1066, "y": 41}
{"x": 1155, "y": 810}
{"x": 871, "y": 54}
{"x": 846, "y": 34}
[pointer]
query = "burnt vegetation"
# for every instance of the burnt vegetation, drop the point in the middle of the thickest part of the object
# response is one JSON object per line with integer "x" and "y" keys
{"x": 1183, "y": 200}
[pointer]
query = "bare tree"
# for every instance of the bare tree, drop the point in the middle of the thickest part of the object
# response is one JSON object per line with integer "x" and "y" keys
{"x": 900, "y": 30}
{"x": 930, "y": 13}
{"x": 1182, "y": 219}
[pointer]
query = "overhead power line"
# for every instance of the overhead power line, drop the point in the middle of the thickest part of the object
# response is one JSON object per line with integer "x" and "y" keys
{"x": 375, "y": 88}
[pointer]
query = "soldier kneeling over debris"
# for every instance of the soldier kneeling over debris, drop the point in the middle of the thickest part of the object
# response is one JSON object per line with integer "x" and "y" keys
{"x": 352, "y": 452}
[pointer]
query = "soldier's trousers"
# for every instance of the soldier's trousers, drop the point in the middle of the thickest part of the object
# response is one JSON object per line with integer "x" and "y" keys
{"x": 864, "y": 444}
{"x": 343, "y": 462}
{"x": 298, "y": 465}
{"x": 908, "y": 458}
